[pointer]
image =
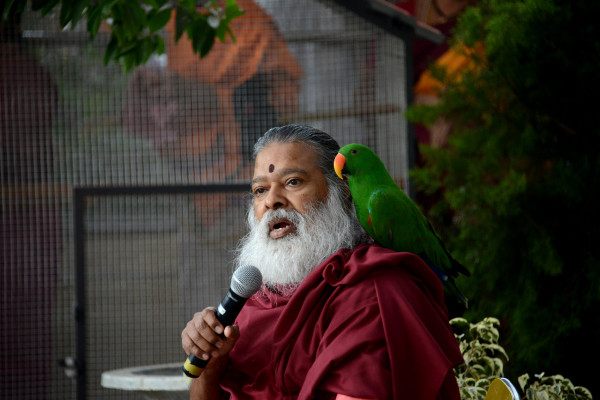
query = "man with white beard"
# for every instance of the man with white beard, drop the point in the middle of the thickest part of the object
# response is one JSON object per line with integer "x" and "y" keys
{"x": 299, "y": 241}
{"x": 338, "y": 317}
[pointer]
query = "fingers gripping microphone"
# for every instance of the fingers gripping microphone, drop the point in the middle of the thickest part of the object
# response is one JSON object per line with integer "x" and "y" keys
{"x": 245, "y": 282}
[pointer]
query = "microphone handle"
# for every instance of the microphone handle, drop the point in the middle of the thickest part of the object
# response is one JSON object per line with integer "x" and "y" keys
{"x": 226, "y": 314}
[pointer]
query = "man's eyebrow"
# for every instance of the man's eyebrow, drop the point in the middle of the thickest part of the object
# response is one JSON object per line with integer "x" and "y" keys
{"x": 258, "y": 179}
{"x": 288, "y": 171}
{"x": 281, "y": 172}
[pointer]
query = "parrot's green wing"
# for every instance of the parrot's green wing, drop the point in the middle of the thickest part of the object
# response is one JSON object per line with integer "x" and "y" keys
{"x": 455, "y": 268}
{"x": 394, "y": 223}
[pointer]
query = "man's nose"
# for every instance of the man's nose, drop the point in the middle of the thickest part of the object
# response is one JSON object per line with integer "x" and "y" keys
{"x": 275, "y": 199}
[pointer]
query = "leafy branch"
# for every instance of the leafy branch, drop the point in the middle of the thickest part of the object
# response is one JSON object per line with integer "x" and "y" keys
{"x": 135, "y": 25}
{"x": 484, "y": 361}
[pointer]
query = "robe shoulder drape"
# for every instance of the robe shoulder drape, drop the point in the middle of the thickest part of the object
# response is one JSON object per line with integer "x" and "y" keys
{"x": 367, "y": 323}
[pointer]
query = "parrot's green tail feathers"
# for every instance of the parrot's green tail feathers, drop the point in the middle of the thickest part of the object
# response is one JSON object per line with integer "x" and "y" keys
{"x": 457, "y": 267}
{"x": 456, "y": 301}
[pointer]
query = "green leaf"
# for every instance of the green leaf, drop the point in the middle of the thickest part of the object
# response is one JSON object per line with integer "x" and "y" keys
{"x": 79, "y": 11}
{"x": 46, "y": 7}
{"x": 459, "y": 325}
{"x": 222, "y": 31}
{"x": 203, "y": 38}
{"x": 207, "y": 43}
{"x": 128, "y": 48}
{"x": 231, "y": 34}
{"x": 147, "y": 48}
{"x": 232, "y": 10}
{"x": 128, "y": 62}
{"x": 71, "y": 12}
{"x": 182, "y": 20}
{"x": 135, "y": 18}
{"x": 95, "y": 17}
{"x": 159, "y": 20}
{"x": 199, "y": 32}
{"x": 188, "y": 6}
{"x": 159, "y": 45}
{"x": 66, "y": 12}
{"x": 111, "y": 49}
{"x": 10, "y": 8}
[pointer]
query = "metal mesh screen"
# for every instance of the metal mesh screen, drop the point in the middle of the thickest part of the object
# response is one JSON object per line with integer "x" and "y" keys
{"x": 152, "y": 260}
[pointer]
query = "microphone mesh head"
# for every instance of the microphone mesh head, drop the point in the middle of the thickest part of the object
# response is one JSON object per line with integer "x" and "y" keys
{"x": 246, "y": 281}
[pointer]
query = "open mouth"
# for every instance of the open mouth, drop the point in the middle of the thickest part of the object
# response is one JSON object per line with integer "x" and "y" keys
{"x": 280, "y": 227}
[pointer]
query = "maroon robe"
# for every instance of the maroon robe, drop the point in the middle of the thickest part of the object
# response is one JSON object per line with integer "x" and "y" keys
{"x": 367, "y": 323}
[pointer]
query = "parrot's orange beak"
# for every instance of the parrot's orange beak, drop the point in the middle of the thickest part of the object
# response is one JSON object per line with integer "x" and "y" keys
{"x": 338, "y": 165}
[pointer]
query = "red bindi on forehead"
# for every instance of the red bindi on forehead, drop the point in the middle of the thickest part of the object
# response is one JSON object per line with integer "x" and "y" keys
{"x": 271, "y": 168}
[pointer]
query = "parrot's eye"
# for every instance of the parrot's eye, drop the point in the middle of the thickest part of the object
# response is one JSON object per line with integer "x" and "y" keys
{"x": 353, "y": 151}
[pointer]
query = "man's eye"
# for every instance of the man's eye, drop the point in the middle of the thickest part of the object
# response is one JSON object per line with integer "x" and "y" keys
{"x": 294, "y": 182}
{"x": 258, "y": 191}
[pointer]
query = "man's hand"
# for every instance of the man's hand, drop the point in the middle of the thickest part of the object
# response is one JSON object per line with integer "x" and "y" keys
{"x": 206, "y": 338}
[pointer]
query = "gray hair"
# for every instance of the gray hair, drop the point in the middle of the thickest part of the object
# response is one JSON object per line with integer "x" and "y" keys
{"x": 322, "y": 143}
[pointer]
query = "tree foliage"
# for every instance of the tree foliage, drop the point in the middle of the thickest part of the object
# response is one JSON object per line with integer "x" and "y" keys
{"x": 135, "y": 24}
{"x": 516, "y": 190}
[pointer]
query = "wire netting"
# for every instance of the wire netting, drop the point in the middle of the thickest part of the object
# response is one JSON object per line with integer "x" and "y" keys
{"x": 69, "y": 121}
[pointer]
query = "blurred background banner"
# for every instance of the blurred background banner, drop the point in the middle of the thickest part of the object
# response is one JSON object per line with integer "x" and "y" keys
{"x": 152, "y": 253}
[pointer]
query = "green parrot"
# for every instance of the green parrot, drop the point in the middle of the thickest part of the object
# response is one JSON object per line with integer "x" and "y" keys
{"x": 393, "y": 220}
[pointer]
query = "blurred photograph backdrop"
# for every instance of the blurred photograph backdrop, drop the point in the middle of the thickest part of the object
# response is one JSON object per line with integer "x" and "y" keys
{"x": 153, "y": 259}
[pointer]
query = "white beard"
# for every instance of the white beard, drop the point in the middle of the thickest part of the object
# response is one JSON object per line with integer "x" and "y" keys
{"x": 322, "y": 230}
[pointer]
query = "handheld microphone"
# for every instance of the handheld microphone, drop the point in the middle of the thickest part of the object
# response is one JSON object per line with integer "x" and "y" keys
{"x": 246, "y": 281}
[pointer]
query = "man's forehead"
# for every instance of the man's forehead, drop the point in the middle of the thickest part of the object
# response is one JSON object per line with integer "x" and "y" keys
{"x": 282, "y": 172}
{"x": 277, "y": 156}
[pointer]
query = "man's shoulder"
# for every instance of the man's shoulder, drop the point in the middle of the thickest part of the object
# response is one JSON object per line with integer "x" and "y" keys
{"x": 373, "y": 252}
{"x": 366, "y": 262}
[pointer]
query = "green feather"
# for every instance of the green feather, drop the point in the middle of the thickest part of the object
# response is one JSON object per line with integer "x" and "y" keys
{"x": 393, "y": 220}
